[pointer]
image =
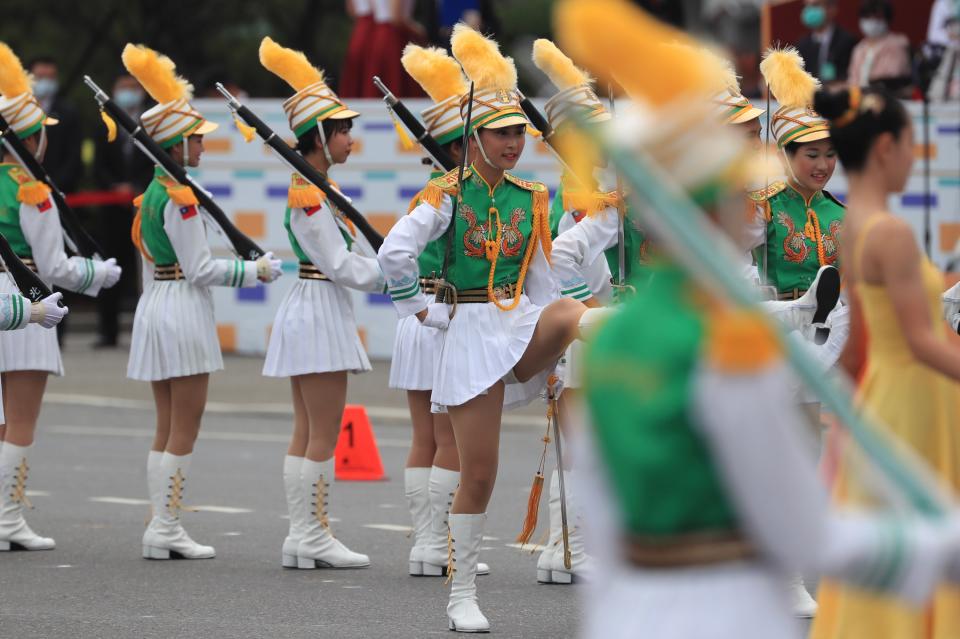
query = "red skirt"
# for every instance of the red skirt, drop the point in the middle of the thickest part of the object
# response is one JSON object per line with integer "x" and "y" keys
{"x": 383, "y": 59}
{"x": 351, "y": 75}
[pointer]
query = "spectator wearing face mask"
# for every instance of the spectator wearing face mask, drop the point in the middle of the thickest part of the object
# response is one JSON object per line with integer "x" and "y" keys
{"x": 62, "y": 160}
{"x": 881, "y": 57}
{"x": 119, "y": 167}
{"x": 826, "y": 49}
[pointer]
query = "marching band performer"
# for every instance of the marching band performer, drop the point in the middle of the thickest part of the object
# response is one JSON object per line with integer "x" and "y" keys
{"x": 433, "y": 467}
{"x": 910, "y": 381}
{"x": 174, "y": 344}
{"x": 31, "y": 223}
{"x": 710, "y": 495}
{"x": 315, "y": 340}
{"x": 506, "y": 329}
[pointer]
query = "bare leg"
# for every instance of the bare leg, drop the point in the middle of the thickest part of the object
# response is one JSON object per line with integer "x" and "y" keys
{"x": 23, "y": 396}
{"x": 3, "y": 398}
{"x": 447, "y": 455}
{"x": 423, "y": 448}
{"x": 161, "y": 398}
{"x": 556, "y": 329}
{"x": 301, "y": 425}
{"x": 324, "y": 396}
{"x": 188, "y": 398}
{"x": 476, "y": 425}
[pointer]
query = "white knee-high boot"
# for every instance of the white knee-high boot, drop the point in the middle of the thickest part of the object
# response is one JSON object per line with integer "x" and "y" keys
{"x": 165, "y": 537}
{"x": 443, "y": 485}
{"x": 416, "y": 488}
{"x": 14, "y": 531}
{"x": 463, "y": 611}
{"x": 550, "y": 566}
{"x": 296, "y": 509}
{"x": 318, "y": 547}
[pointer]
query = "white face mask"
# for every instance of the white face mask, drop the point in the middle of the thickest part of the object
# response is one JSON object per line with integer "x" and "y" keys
{"x": 873, "y": 27}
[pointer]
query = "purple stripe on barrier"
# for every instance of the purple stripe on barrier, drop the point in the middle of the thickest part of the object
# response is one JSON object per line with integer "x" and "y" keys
{"x": 378, "y": 126}
{"x": 352, "y": 191}
{"x": 277, "y": 192}
{"x": 407, "y": 192}
{"x": 256, "y": 294}
{"x": 917, "y": 199}
{"x": 378, "y": 298}
{"x": 948, "y": 129}
{"x": 219, "y": 190}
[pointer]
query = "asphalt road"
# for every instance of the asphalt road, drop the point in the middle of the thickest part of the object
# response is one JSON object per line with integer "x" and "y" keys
{"x": 89, "y": 493}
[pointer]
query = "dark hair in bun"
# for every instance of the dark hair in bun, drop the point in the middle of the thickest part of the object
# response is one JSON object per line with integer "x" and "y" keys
{"x": 857, "y": 117}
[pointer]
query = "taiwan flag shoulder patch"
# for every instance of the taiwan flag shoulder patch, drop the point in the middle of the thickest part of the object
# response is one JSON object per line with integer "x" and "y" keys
{"x": 311, "y": 210}
{"x": 186, "y": 212}
{"x": 44, "y": 206}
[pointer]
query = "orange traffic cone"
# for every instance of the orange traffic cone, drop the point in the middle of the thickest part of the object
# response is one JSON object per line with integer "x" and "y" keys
{"x": 357, "y": 456}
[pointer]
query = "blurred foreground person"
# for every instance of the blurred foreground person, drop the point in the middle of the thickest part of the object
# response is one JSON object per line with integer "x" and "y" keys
{"x": 707, "y": 497}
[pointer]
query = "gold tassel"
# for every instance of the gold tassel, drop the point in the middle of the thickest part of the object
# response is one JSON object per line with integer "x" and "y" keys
{"x": 247, "y": 131}
{"x": 304, "y": 197}
{"x": 182, "y": 195}
{"x": 406, "y": 142}
{"x": 136, "y": 234}
{"x": 541, "y": 216}
{"x": 414, "y": 203}
{"x": 536, "y": 490}
{"x": 111, "y": 126}
{"x": 33, "y": 192}
{"x": 432, "y": 195}
{"x": 533, "y": 132}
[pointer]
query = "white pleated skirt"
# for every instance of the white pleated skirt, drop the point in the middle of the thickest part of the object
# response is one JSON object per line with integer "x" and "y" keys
{"x": 480, "y": 347}
{"x": 314, "y": 331}
{"x": 33, "y": 348}
{"x": 174, "y": 333}
{"x": 416, "y": 349}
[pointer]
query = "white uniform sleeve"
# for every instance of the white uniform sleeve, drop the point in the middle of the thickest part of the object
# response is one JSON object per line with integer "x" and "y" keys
{"x": 540, "y": 285}
{"x": 401, "y": 248}
{"x": 41, "y": 229}
{"x": 755, "y": 230}
{"x": 184, "y": 227}
{"x": 319, "y": 236}
{"x": 576, "y": 251}
{"x": 754, "y": 433}
{"x": 14, "y": 311}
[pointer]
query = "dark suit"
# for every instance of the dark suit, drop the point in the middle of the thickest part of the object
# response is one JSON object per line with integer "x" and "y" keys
{"x": 117, "y": 163}
{"x": 840, "y": 48}
{"x": 62, "y": 160}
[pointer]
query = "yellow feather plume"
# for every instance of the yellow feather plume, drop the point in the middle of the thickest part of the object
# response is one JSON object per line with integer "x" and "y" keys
{"x": 790, "y": 84}
{"x": 14, "y": 79}
{"x": 726, "y": 73}
{"x": 630, "y": 34}
{"x": 157, "y": 73}
{"x": 435, "y": 71}
{"x": 557, "y": 66}
{"x": 290, "y": 65}
{"x": 481, "y": 59}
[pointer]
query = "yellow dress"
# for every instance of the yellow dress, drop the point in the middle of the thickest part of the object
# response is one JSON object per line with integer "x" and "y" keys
{"x": 922, "y": 408}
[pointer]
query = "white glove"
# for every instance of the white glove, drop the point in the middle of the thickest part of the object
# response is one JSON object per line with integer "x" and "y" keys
{"x": 46, "y": 313}
{"x": 269, "y": 268}
{"x": 438, "y": 316}
{"x": 113, "y": 272}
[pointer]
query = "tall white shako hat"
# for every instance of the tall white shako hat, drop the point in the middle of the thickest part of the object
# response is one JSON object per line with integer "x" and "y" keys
{"x": 173, "y": 119}
{"x": 731, "y": 106}
{"x": 18, "y": 105}
{"x": 442, "y": 79}
{"x": 576, "y": 98}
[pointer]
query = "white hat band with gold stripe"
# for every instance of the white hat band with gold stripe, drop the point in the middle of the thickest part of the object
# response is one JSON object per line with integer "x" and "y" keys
{"x": 578, "y": 101}
{"x": 168, "y": 123}
{"x": 312, "y": 104}
{"x": 443, "y": 120}
{"x": 797, "y": 124}
{"x": 24, "y": 114}
{"x": 733, "y": 108}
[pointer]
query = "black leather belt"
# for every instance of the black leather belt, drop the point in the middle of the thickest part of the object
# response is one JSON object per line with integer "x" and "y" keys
{"x": 311, "y": 272}
{"x": 168, "y": 273}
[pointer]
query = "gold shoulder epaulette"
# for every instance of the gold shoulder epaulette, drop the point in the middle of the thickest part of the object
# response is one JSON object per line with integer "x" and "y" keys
{"x": 29, "y": 191}
{"x": 526, "y": 185}
{"x": 181, "y": 194}
{"x": 446, "y": 184}
{"x": 303, "y": 194}
{"x": 762, "y": 195}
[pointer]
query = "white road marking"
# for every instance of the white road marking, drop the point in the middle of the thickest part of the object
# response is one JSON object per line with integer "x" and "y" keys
{"x": 531, "y": 548}
{"x": 65, "y": 566}
{"x": 387, "y": 505}
{"x": 232, "y": 534}
{"x": 123, "y": 501}
{"x": 353, "y": 587}
{"x": 37, "y": 493}
{"x": 388, "y": 413}
{"x": 390, "y": 527}
{"x": 227, "y": 510}
{"x": 144, "y": 433}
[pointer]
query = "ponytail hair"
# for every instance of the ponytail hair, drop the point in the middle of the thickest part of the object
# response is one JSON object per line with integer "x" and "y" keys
{"x": 857, "y": 118}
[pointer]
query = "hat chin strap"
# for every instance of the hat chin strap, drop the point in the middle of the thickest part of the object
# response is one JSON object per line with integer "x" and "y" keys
{"x": 788, "y": 167}
{"x": 186, "y": 151}
{"x": 483, "y": 153}
{"x": 42, "y": 145}
{"x": 323, "y": 142}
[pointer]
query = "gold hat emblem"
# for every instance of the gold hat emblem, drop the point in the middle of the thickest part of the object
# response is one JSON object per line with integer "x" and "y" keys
{"x": 503, "y": 96}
